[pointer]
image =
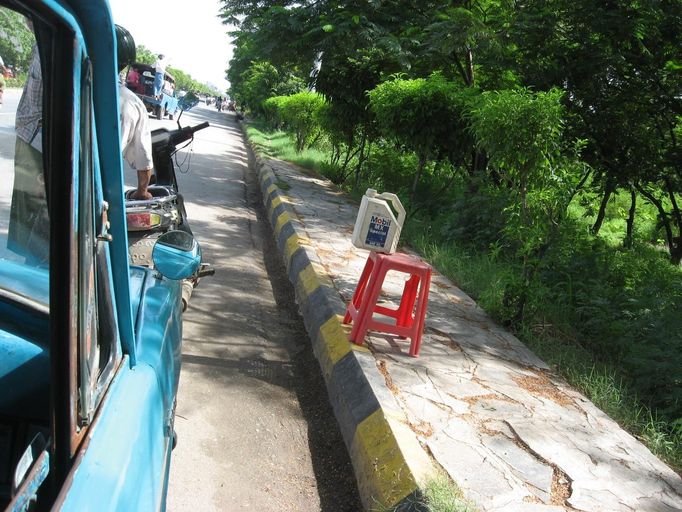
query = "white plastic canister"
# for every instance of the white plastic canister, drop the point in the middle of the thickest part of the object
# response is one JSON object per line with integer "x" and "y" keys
{"x": 376, "y": 227}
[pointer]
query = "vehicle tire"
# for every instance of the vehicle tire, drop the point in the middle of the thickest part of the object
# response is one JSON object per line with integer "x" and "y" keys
{"x": 175, "y": 440}
{"x": 158, "y": 111}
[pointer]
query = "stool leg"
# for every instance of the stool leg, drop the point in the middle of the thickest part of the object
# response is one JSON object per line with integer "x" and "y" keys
{"x": 422, "y": 305}
{"x": 360, "y": 289}
{"x": 369, "y": 300}
{"x": 404, "y": 318}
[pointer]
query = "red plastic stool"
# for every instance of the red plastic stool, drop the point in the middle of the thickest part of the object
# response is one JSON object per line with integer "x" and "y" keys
{"x": 409, "y": 317}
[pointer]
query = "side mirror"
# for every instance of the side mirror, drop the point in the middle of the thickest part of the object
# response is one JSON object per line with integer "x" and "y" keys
{"x": 176, "y": 255}
{"x": 188, "y": 101}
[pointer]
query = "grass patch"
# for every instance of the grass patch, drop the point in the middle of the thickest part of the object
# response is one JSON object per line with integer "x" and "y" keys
{"x": 443, "y": 495}
{"x": 440, "y": 494}
{"x": 278, "y": 144}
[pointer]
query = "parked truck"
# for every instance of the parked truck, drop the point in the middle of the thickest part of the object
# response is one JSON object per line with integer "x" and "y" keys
{"x": 140, "y": 80}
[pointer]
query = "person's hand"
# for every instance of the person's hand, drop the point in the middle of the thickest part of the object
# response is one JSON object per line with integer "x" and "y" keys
{"x": 141, "y": 195}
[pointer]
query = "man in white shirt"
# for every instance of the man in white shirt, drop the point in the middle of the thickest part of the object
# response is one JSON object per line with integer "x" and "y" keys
{"x": 160, "y": 70}
{"x": 136, "y": 138}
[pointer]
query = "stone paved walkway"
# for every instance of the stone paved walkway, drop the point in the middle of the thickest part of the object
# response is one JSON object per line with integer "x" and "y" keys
{"x": 508, "y": 430}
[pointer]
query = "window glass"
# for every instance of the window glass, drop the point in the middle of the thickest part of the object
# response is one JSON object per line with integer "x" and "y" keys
{"x": 24, "y": 220}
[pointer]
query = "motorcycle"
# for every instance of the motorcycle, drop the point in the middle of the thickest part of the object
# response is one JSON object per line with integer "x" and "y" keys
{"x": 165, "y": 211}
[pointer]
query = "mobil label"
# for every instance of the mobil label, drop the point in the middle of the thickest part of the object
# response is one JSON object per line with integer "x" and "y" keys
{"x": 377, "y": 232}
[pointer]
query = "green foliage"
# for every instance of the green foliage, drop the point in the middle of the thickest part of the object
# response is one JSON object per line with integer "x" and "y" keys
{"x": 476, "y": 216}
{"x": 278, "y": 144}
{"x": 520, "y": 132}
{"x": 443, "y": 495}
{"x": 145, "y": 55}
{"x": 426, "y": 116}
{"x": 262, "y": 80}
{"x": 423, "y": 115}
{"x": 346, "y": 119}
{"x": 272, "y": 111}
{"x": 299, "y": 114}
{"x": 16, "y": 40}
{"x": 185, "y": 82}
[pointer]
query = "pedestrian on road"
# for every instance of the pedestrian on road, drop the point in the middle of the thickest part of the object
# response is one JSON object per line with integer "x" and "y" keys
{"x": 160, "y": 69}
{"x": 136, "y": 138}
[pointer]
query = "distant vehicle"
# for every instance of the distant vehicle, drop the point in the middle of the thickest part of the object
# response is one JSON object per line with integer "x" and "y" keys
{"x": 140, "y": 80}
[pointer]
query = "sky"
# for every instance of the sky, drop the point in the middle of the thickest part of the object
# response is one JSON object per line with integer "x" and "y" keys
{"x": 187, "y": 32}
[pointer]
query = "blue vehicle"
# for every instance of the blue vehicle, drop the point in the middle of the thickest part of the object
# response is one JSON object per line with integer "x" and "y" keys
{"x": 140, "y": 80}
{"x": 89, "y": 345}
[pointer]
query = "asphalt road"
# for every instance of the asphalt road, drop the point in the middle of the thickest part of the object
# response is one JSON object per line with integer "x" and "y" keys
{"x": 256, "y": 431}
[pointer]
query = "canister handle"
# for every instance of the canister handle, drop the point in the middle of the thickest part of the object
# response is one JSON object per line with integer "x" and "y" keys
{"x": 395, "y": 201}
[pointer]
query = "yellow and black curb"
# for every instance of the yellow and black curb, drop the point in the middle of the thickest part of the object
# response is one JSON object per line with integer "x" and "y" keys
{"x": 388, "y": 462}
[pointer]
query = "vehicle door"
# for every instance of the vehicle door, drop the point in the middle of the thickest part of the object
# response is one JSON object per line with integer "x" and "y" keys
{"x": 88, "y": 422}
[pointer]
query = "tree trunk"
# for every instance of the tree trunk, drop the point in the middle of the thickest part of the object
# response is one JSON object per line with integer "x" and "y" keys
{"x": 470, "y": 67}
{"x": 608, "y": 190}
{"x": 674, "y": 247}
{"x": 422, "y": 163}
{"x": 361, "y": 160}
{"x": 336, "y": 155}
{"x": 631, "y": 219}
{"x": 467, "y": 72}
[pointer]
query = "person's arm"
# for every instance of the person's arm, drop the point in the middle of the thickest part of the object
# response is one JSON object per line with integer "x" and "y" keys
{"x": 144, "y": 176}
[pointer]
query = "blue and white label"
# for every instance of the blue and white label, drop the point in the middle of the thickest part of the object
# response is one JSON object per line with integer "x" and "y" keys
{"x": 378, "y": 231}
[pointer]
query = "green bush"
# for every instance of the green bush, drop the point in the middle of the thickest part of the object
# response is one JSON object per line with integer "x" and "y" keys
{"x": 425, "y": 116}
{"x": 299, "y": 114}
{"x": 272, "y": 111}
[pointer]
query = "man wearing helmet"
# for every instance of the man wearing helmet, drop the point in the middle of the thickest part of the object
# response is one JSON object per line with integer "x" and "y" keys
{"x": 136, "y": 139}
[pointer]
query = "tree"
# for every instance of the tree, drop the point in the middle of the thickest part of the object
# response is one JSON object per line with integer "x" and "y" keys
{"x": 425, "y": 115}
{"x": 616, "y": 62}
{"x": 521, "y": 133}
{"x": 260, "y": 81}
{"x": 145, "y": 55}
{"x": 345, "y": 82}
{"x": 16, "y": 40}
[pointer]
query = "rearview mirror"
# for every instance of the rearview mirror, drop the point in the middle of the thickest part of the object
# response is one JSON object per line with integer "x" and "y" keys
{"x": 176, "y": 255}
{"x": 188, "y": 101}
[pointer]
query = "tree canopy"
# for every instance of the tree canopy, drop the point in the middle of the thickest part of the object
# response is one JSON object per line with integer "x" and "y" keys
{"x": 618, "y": 63}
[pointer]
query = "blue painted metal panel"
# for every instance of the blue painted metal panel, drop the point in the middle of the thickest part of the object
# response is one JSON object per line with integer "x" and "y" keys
{"x": 24, "y": 377}
{"x": 128, "y": 449}
{"x": 137, "y": 279}
{"x": 125, "y": 466}
{"x": 159, "y": 331}
{"x": 123, "y": 461}
{"x": 30, "y": 282}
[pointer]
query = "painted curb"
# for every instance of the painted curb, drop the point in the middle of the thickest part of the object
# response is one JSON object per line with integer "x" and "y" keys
{"x": 388, "y": 462}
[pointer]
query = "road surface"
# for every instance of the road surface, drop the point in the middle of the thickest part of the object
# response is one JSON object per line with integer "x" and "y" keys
{"x": 255, "y": 428}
